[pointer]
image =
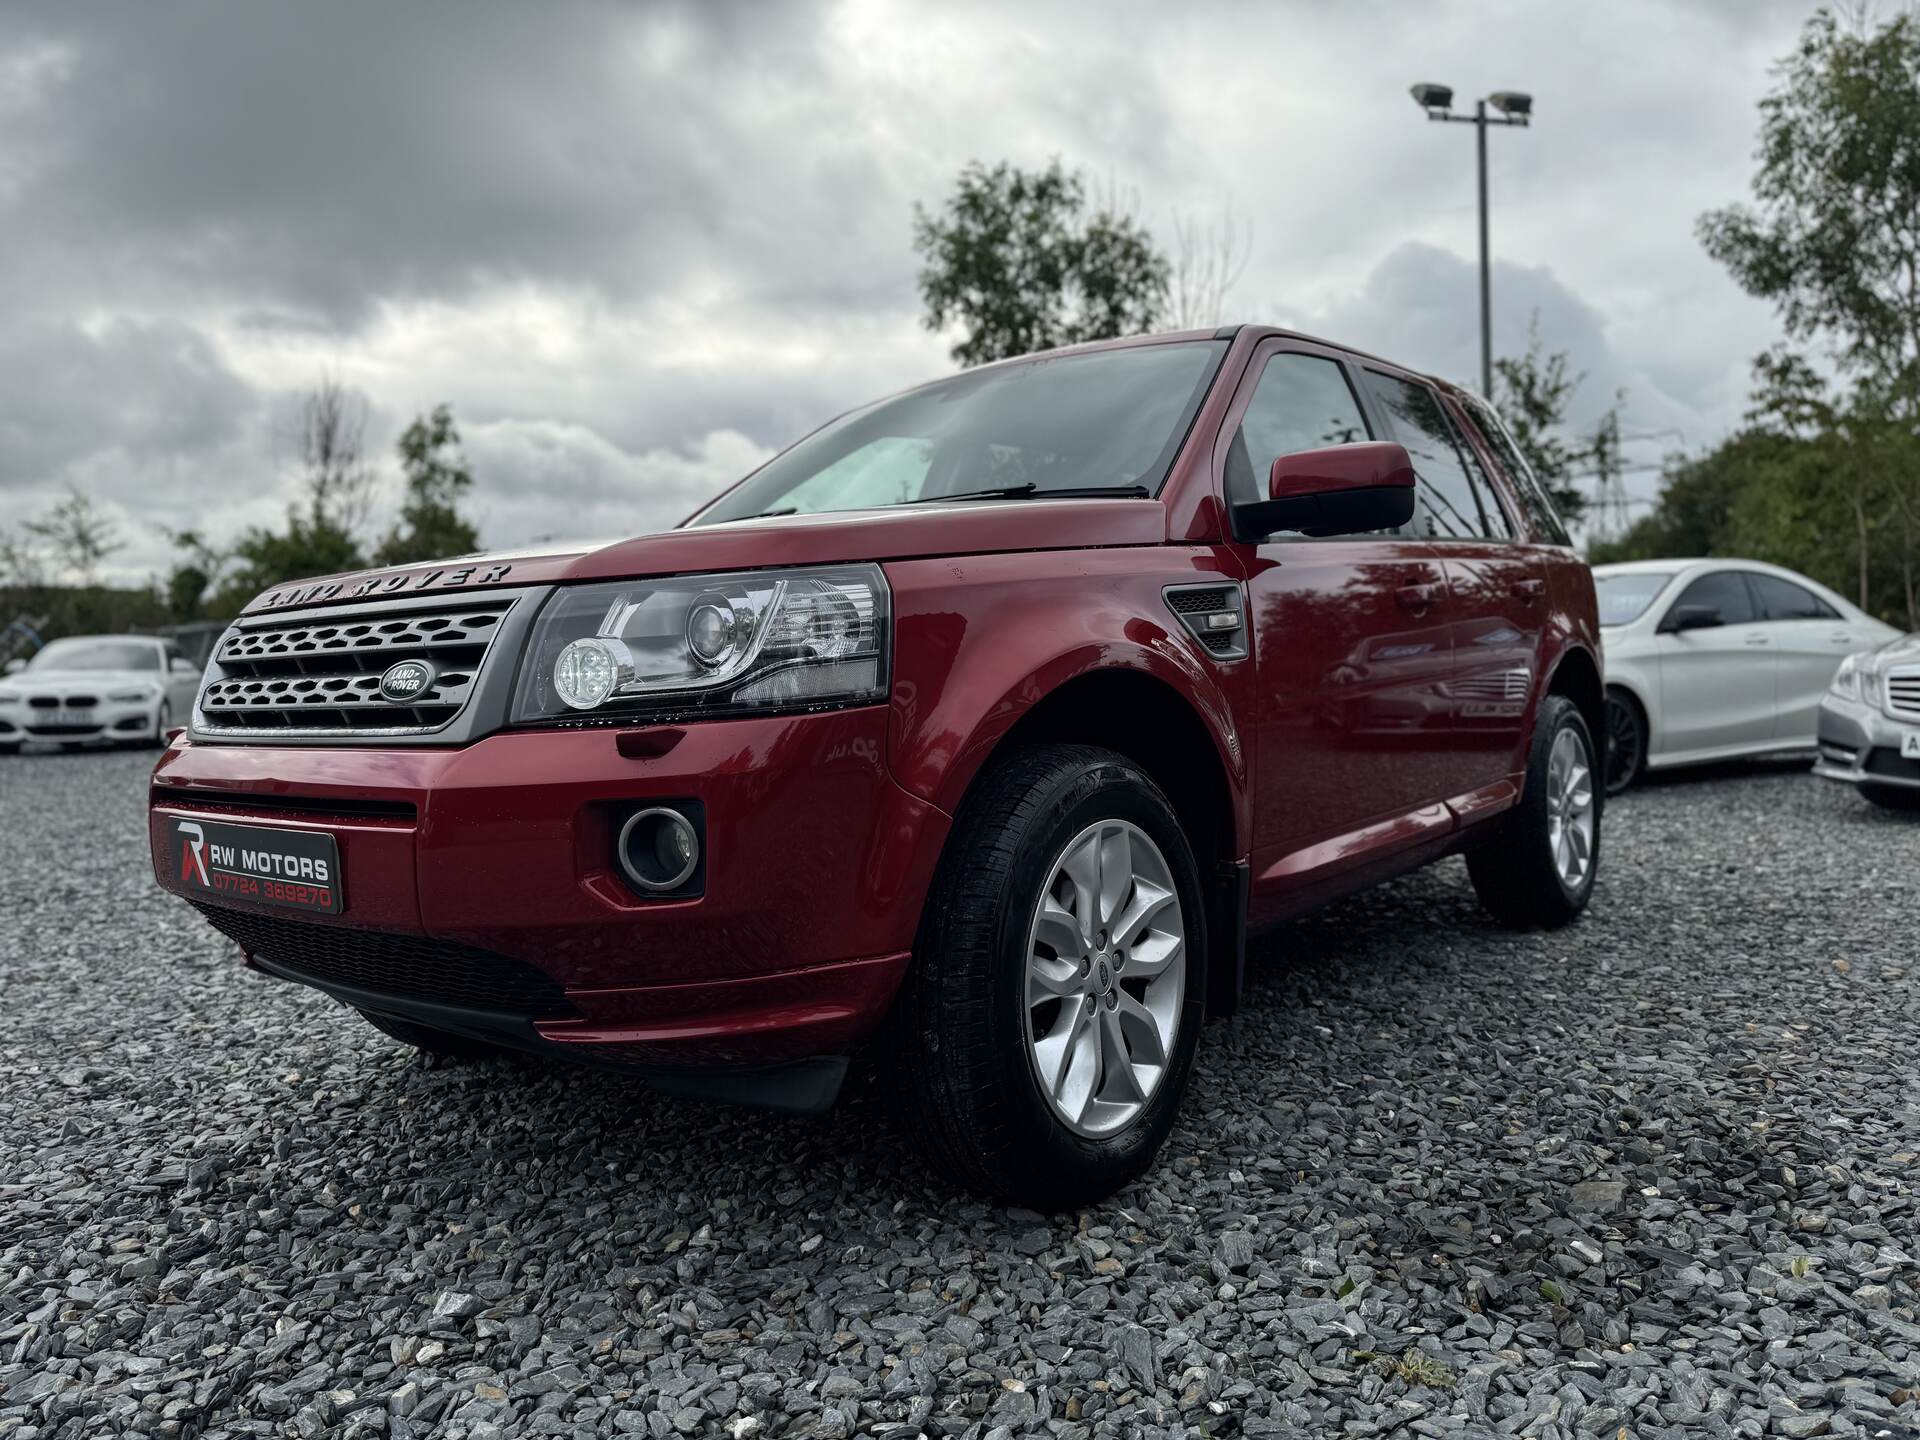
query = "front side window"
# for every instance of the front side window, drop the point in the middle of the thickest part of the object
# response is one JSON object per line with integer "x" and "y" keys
{"x": 1106, "y": 420}
{"x": 1625, "y": 598}
{"x": 1540, "y": 510}
{"x": 1453, "y": 505}
{"x": 1784, "y": 600}
{"x": 1302, "y": 402}
{"x": 1724, "y": 591}
{"x": 82, "y": 653}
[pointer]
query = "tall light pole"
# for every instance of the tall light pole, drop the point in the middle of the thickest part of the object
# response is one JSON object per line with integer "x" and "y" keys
{"x": 1515, "y": 109}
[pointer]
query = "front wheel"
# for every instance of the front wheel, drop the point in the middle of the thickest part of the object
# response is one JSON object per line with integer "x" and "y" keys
{"x": 1626, "y": 741}
{"x": 1046, "y": 1032}
{"x": 1539, "y": 872}
{"x": 162, "y": 718}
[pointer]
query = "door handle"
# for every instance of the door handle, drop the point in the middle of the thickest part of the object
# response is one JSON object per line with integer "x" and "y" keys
{"x": 1756, "y": 639}
{"x": 1419, "y": 597}
{"x": 1841, "y": 639}
{"x": 1529, "y": 589}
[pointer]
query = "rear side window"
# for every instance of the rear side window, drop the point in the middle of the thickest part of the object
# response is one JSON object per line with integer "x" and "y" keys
{"x": 1303, "y": 402}
{"x": 1725, "y": 591}
{"x": 1454, "y": 503}
{"x": 1784, "y": 600}
{"x": 1542, "y": 514}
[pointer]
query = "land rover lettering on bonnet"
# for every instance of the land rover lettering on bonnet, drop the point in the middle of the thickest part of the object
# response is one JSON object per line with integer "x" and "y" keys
{"x": 984, "y": 724}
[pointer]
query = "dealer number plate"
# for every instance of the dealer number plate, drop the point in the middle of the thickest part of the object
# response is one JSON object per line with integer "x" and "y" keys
{"x": 1910, "y": 744}
{"x": 292, "y": 869}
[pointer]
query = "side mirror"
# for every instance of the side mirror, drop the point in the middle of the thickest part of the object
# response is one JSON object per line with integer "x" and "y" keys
{"x": 14, "y": 667}
{"x": 180, "y": 665}
{"x": 1341, "y": 490}
{"x": 1692, "y": 617}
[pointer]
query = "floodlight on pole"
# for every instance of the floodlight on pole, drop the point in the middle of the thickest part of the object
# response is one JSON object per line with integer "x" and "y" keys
{"x": 1516, "y": 108}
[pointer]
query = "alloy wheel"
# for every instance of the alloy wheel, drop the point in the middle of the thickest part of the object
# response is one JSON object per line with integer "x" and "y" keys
{"x": 1105, "y": 978}
{"x": 1570, "y": 809}
{"x": 1624, "y": 744}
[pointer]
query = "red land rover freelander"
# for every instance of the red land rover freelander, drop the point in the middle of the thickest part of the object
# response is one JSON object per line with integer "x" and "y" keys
{"x": 986, "y": 721}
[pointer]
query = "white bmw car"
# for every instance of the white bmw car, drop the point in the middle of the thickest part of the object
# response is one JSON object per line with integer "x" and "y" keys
{"x": 1715, "y": 659}
{"x": 97, "y": 689}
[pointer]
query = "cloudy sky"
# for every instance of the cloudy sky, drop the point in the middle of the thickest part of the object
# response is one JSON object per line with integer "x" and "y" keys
{"x": 637, "y": 247}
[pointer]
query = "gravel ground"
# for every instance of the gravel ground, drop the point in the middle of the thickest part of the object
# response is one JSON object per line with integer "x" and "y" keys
{"x": 1654, "y": 1175}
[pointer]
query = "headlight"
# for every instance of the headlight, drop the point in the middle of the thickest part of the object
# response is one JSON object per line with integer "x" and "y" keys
{"x": 708, "y": 644}
{"x": 9, "y": 697}
{"x": 1846, "y": 680}
{"x": 132, "y": 697}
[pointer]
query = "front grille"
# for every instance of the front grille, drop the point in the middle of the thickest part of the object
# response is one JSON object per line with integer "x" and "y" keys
{"x": 1892, "y": 765}
{"x": 406, "y": 967}
{"x": 1903, "y": 693}
{"x": 320, "y": 675}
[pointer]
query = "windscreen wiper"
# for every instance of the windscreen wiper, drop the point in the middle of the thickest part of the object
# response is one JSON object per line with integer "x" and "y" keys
{"x": 1027, "y": 490}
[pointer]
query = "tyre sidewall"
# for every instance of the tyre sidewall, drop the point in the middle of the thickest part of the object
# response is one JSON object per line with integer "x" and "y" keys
{"x": 1100, "y": 791}
{"x": 1640, "y": 724}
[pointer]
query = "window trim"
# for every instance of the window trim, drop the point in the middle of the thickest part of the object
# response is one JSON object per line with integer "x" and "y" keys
{"x": 1460, "y": 440}
{"x": 1514, "y": 485}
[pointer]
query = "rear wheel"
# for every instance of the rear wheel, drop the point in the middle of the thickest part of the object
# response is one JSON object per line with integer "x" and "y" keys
{"x": 440, "y": 1044}
{"x": 1626, "y": 740}
{"x": 1540, "y": 871}
{"x": 1046, "y": 1032}
{"x": 1892, "y": 797}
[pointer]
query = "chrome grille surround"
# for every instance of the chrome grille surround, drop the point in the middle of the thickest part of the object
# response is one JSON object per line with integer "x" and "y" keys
{"x": 315, "y": 675}
{"x": 1903, "y": 692}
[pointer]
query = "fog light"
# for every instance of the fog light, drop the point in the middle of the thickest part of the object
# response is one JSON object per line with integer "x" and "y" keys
{"x": 659, "y": 849}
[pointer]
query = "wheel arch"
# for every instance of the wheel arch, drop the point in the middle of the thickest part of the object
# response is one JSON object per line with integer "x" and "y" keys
{"x": 1175, "y": 725}
{"x": 1577, "y": 676}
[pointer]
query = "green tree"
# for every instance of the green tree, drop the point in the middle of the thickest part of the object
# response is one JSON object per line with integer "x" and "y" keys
{"x": 431, "y": 526}
{"x": 76, "y": 535}
{"x": 320, "y": 538}
{"x": 1832, "y": 238}
{"x": 1022, "y": 263}
{"x": 1532, "y": 392}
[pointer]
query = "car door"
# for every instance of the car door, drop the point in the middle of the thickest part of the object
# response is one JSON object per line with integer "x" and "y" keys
{"x": 1497, "y": 588}
{"x": 1350, "y": 734}
{"x": 1717, "y": 683}
{"x": 1810, "y": 639}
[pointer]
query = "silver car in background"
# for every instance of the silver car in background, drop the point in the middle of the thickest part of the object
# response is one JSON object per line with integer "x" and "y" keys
{"x": 1870, "y": 724}
{"x": 97, "y": 689}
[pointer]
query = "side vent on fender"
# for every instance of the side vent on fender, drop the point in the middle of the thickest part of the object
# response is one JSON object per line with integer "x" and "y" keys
{"x": 1214, "y": 614}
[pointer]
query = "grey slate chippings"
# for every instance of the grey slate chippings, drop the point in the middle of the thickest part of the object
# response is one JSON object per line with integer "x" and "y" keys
{"x": 1653, "y": 1175}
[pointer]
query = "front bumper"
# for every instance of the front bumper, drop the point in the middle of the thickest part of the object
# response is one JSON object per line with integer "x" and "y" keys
{"x": 1860, "y": 745}
{"x": 99, "y": 721}
{"x": 481, "y": 891}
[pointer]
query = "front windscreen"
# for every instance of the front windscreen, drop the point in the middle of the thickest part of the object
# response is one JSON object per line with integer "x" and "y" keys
{"x": 1625, "y": 598}
{"x": 1108, "y": 419}
{"x": 81, "y": 654}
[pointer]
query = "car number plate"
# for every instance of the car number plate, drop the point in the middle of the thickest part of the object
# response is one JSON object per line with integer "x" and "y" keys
{"x": 76, "y": 718}
{"x": 291, "y": 869}
{"x": 1910, "y": 744}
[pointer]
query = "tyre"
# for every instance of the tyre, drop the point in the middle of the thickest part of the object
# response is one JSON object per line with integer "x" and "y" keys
{"x": 1046, "y": 1031}
{"x": 440, "y": 1044}
{"x": 163, "y": 717}
{"x": 1626, "y": 740}
{"x": 1540, "y": 870}
{"x": 1892, "y": 797}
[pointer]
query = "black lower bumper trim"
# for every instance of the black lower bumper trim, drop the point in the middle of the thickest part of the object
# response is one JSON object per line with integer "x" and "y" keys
{"x": 807, "y": 1086}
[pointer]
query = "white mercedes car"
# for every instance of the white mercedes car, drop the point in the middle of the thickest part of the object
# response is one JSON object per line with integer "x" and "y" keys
{"x": 97, "y": 689}
{"x": 1715, "y": 659}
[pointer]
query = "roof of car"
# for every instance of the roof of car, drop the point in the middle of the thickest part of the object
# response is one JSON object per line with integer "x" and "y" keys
{"x": 1261, "y": 332}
